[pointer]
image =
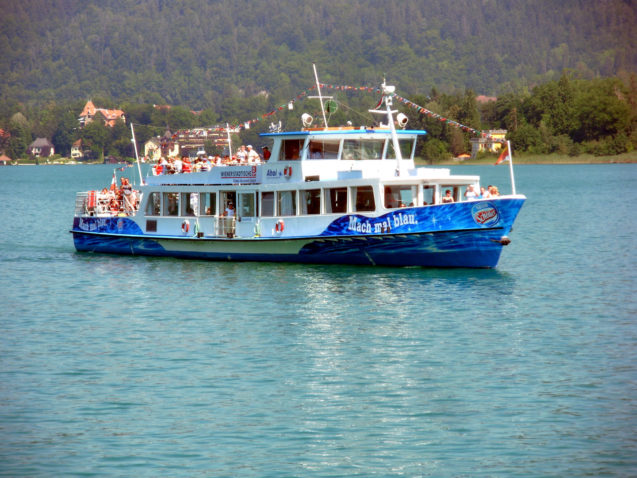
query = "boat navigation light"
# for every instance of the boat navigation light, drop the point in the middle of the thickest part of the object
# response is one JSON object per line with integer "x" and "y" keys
{"x": 401, "y": 120}
{"x": 306, "y": 119}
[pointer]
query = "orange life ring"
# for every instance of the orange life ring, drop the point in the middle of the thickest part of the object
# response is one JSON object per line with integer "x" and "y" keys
{"x": 280, "y": 225}
{"x": 287, "y": 172}
{"x": 185, "y": 226}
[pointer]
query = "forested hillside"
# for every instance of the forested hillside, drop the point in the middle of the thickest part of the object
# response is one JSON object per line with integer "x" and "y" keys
{"x": 194, "y": 52}
{"x": 554, "y": 65}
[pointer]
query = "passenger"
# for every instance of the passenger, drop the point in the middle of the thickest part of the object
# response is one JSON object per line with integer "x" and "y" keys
{"x": 447, "y": 198}
{"x": 178, "y": 164}
{"x": 252, "y": 156}
{"x": 242, "y": 155}
{"x": 482, "y": 193}
{"x": 186, "y": 167}
{"x": 494, "y": 192}
{"x": 266, "y": 153}
{"x": 470, "y": 193}
{"x": 487, "y": 194}
{"x": 169, "y": 168}
{"x": 114, "y": 206}
{"x": 197, "y": 166}
{"x": 229, "y": 212}
{"x": 128, "y": 196}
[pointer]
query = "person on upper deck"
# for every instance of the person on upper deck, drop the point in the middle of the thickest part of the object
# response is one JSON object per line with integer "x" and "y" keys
{"x": 252, "y": 156}
{"x": 447, "y": 198}
{"x": 242, "y": 155}
{"x": 266, "y": 153}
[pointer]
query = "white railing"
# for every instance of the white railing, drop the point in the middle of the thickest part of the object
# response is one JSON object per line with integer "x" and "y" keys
{"x": 94, "y": 203}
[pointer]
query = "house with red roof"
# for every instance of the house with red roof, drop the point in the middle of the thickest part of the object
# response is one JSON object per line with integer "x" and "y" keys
{"x": 91, "y": 113}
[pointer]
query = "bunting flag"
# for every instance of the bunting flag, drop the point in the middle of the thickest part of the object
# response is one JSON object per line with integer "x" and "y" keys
{"x": 504, "y": 155}
{"x": 290, "y": 104}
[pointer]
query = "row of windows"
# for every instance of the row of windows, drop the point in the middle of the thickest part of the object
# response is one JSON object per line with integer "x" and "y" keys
{"x": 349, "y": 149}
{"x": 288, "y": 203}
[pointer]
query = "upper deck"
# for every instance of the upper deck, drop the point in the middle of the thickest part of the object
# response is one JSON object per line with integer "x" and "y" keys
{"x": 315, "y": 154}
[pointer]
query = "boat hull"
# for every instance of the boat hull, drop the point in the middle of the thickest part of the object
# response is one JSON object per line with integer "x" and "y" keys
{"x": 458, "y": 235}
{"x": 476, "y": 248}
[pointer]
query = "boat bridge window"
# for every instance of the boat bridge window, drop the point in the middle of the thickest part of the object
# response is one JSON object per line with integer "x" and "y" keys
{"x": 267, "y": 204}
{"x": 153, "y": 206}
{"x": 428, "y": 195}
{"x": 455, "y": 191}
{"x": 171, "y": 204}
{"x": 335, "y": 200}
{"x": 400, "y": 196}
{"x": 190, "y": 204}
{"x": 246, "y": 205}
{"x": 326, "y": 149}
{"x": 291, "y": 149}
{"x": 364, "y": 198}
{"x": 286, "y": 203}
{"x": 355, "y": 149}
{"x": 208, "y": 204}
{"x": 311, "y": 201}
{"x": 406, "y": 148}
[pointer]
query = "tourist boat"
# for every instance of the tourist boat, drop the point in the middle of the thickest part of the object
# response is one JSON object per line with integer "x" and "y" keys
{"x": 337, "y": 195}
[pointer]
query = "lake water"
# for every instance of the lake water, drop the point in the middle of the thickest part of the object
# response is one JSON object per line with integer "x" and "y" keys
{"x": 132, "y": 366}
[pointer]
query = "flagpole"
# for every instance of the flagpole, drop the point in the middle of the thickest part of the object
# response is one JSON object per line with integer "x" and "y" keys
{"x": 511, "y": 167}
{"x": 139, "y": 168}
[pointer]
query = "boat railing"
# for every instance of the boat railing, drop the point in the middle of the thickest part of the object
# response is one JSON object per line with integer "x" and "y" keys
{"x": 94, "y": 203}
{"x": 226, "y": 226}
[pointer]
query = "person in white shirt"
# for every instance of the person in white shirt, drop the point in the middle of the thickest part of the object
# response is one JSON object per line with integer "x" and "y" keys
{"x": 252, "y": 156}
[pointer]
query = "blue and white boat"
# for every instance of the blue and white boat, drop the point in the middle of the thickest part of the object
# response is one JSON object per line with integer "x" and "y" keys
{"x": 337, "y": 195}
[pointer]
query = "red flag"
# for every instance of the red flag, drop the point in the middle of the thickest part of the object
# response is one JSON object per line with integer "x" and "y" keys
{"x": 504, "y": 155}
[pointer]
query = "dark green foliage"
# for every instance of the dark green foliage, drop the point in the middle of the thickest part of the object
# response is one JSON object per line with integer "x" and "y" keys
{"x": 234, "y": 61}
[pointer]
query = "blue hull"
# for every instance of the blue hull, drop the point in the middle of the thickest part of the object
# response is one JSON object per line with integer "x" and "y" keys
{"x": 459, "y": 235}
{"x": 478, "y": 248}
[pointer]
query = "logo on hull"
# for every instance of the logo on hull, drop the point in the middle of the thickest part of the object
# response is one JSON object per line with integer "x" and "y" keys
{"x": 485, "y": 214}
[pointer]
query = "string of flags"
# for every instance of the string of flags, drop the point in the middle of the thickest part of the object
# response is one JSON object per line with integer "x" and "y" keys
{"x": 290, "y": 105}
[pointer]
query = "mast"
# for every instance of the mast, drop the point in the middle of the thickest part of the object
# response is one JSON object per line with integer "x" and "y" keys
{"x": 318, "y": 88}
{"x": 388, "y": 91}
{"x": 139, "y": 168}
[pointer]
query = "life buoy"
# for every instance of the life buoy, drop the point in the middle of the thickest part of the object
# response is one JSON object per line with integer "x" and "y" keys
{"x": 287, "y": 172}
{"x": 279, "y": 226}
{"x": 185, "y": 226}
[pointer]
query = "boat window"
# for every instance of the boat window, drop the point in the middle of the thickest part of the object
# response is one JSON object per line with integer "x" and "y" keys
{"x": 428, "y": 195}
{"x": 323, "y": 149}
{"x": 153, "y": 206}
{"x": 286, "y": 203}
{"x": 363, "y": 149}
{"x": 267, "y": 204}
{"x": 171, "y": 204}
{"x": 399, "y": 196}
{"x": 406, "y": 148}
{"x": 455, "y": 191}
{"x": 311, "y": 201}
{"x": 291, "y": 149}
{"x": 208, "y": 204}
{"x": 364, "y": 198}
{"x": 335, "y": 200}
{"x": 189, "y": 203}
{"x": 246, "y": 205}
